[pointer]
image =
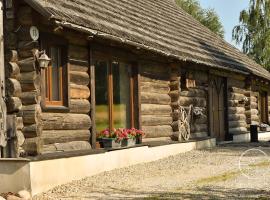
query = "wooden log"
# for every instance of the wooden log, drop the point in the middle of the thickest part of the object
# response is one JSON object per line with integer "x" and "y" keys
{"x": 251, "y": 112}
{"x": 236, "y": 96}
{"x": 30, "y": 81}
{"x": 174, "y": 126}
{"x": 144, "y": 78}
{"x": 195, "y": 101}
{"x": 19, "y": 123}
{"x": 31, "y": 114}
{"x": 155, "y": 87}
{"x": 79, "y": 92}
{"x": 78, "y": 67}
{"x": 33, "y": 146}
{"x": 65, "y": 121}
{"x": 14, "y": 104}
{"x": 59, "y": 136}
{"x": 13, "y": 88}
{"x": 199, "y": 127}
{"x": 235, "y": 124}
{"x": 253, "y": 99}
{"x": 154, "y": 109}
{"x": 201, "y": 119}
{"x": 20, "y": 139}
{"x": 29, "y": 98}
{"x": 174, "y": 85}
{"x": 79, "y": 78}
{"x": 12, "y": 70}
{"x": 157, "y": 131}
{"x": 254, "y": 105}
{"x": 27, "y": 65}
{"x": 199, "y": 135}
{"x": 237, "y": 117}
{"x": 33, "y": 130}
{"x": 79, "y": 106}
{"x": 68, "y": 146}
{"x": 236, "y": 110}
{"x": 238, "y": 130}
{"x": 193, "y": 93}
{"x": 175, "y": 94}
{"x": 150, "y": 120}
{"x": 233, "y": 103}
{"x": 155, "y": 98}
{"x": 25, "y": 49}
{"x": 11, "y": 56}
{"x": 237, "y": 90}
{"x": 78, "y": 52}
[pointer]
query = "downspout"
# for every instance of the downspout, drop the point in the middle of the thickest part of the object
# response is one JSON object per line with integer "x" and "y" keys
{"x": 3, "y": 108}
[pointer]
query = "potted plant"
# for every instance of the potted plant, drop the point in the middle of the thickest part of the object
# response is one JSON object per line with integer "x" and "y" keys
{"x": 120, "y": 137}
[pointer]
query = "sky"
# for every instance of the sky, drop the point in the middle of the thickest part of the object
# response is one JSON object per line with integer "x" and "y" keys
{"x": 228, "y": 11}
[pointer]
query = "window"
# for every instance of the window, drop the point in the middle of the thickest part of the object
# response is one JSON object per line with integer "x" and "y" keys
{"x": 55, "y": 78}
{"x": 114, "y": 95}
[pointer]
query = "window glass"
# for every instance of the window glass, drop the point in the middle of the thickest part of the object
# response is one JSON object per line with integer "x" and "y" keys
{"x": 55, "y": 73}
{"x": 102, "y": 107}
{"x": 121, "y": 95}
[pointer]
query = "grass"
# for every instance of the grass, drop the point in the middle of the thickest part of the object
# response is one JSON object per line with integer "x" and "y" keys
{"x": 232, "y": 174}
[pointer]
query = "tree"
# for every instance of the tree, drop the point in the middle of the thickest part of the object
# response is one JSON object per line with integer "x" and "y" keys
{"x": 208, "y": 17}
{"x": 253, "y": 32}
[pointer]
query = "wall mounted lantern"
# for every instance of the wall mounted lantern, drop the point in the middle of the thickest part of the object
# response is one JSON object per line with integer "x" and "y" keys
{"x": 43, "y": 60}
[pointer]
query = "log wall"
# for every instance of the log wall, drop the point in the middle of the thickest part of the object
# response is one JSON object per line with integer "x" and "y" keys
{"x": 13, "y": 86}
{"x": 237, "y": 106}
{"x": 155, "y": 100}
{"x": 37, "y": 130}
{"x": 73, "y": 126}
{"x": 196, "y": 94}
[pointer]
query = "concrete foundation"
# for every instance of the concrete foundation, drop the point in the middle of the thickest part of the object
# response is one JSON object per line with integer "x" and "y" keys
{"x": 40, "y": 176}
{"x": 262, "y": 136}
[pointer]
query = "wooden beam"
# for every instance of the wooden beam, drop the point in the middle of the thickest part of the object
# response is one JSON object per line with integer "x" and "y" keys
{"x": 92, "y": 97}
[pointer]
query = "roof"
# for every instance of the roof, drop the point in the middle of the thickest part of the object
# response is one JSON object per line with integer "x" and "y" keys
{"x": 157, "y": 25}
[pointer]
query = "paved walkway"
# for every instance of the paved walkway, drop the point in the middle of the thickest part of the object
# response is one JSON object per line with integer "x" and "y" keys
{"x": 229, "y": 171}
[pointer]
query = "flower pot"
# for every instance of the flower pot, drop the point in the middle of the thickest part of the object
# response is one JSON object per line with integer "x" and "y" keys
{"x": 111, "y": 143}
{"x": 138, "y": 139}
{"x": 128, "y": 142}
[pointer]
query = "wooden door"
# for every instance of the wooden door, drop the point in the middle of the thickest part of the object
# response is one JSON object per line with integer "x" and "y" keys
{"x": 263, "y": 107}
{"x": 217, "y": 107}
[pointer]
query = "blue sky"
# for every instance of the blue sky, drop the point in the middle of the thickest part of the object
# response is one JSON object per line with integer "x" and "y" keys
{"x": 228, "y": 11}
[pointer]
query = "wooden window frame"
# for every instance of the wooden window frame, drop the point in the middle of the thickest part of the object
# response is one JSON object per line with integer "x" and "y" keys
{"x": 133, "y": 80}
{"x": 48, "y": 41}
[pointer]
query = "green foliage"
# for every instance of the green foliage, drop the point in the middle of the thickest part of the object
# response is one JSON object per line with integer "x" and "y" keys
{"x": 253, "y": 32}
{"x": 208, "y": 17}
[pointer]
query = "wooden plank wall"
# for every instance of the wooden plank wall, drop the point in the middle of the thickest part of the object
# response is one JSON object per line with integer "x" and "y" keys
{"x": 155, "y": 100}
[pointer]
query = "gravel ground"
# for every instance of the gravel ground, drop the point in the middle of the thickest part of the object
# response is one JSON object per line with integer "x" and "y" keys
{"x": 207, "y": 174}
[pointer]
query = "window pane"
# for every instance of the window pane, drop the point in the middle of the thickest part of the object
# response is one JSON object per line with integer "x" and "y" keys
{"x": 55, "y": 74}
{"x": 121, "y": 95}
{"x": 102, "y": 108}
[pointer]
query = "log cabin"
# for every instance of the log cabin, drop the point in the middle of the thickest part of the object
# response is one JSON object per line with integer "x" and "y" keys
{"x": 118, "y": 63}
